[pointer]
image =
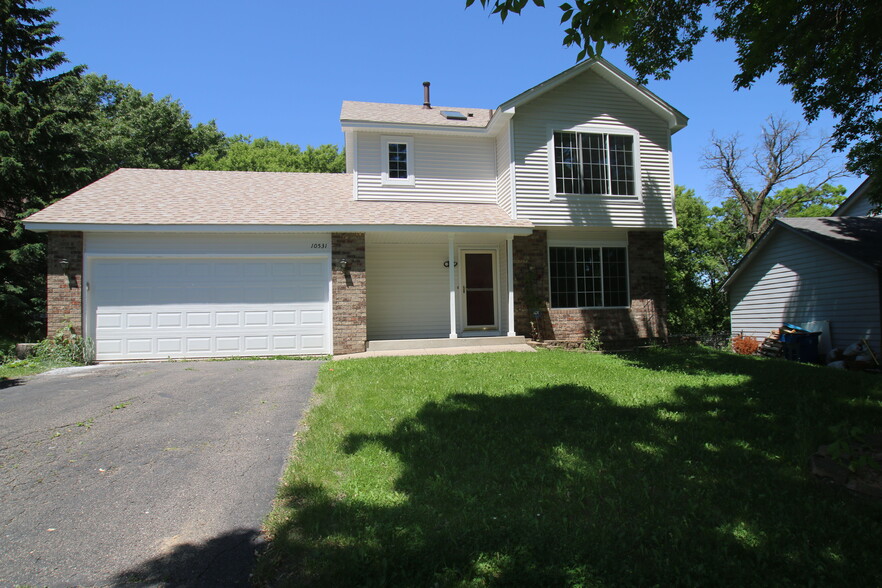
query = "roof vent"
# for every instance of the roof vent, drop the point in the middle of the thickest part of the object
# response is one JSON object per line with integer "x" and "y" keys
{"x": 426, "y": 102}
{"x": 453, "y": 115}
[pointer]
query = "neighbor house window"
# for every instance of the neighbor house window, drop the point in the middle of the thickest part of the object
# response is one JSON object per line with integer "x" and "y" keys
{"x": 594, "y": 163}
{"x": 583, "y": 277}
{"x": 397, "y": 154}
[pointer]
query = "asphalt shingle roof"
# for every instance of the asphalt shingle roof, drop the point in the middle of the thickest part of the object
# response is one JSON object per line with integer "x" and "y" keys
{"x": 190, "y": 197}
{"x": 378, "y": 112}
{"x": 857, "y": 237}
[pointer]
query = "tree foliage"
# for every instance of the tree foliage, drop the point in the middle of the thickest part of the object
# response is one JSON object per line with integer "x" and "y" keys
{"x": 783, "y": 155}
{"x": 239, "y": 153}
{"x": 60, "y": 130}
{"x": 828, "y": 52}
{"x": 697, "y": 258}
{"x": 35, "y": 149}
{"x": 123, "y": 127}
{"x": 708, "y": 243}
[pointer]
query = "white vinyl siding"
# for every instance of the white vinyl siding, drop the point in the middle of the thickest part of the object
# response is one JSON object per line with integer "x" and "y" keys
{"x": 407, "y": 291}
{"x": 503, "y": 169}
{"x": 454, "y": 169}
{"x": 794, "y": 280}
{"x": 589, "y": 100}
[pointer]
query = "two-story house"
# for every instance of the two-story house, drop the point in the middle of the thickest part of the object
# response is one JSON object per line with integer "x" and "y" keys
{"x": 542, "y": 217}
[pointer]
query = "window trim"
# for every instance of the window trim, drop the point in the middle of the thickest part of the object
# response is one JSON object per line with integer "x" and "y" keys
{"x": 595, "y": 129}
{"x": 591, "y": 245}
{"x": 385, "y": 141}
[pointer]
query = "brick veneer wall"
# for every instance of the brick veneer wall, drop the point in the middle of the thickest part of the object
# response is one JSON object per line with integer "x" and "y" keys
{"x": 644, "y": 319}
{"x": 350, "y": 293}
{"x": 64, "y": 293}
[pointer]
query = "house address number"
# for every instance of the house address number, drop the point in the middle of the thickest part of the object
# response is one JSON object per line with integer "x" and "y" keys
{"x": 319, "y": 246}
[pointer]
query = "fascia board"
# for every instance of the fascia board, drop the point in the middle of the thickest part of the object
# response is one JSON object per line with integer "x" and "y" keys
{"x": 413, "y": 128}
{"x": 121, "y": 228}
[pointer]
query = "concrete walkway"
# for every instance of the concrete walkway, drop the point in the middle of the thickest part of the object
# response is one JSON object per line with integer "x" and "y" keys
{"x": 521, "y": 347}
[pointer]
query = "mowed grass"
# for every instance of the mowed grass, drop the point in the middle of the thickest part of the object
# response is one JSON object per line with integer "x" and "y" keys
{"x": 678, "y": 466}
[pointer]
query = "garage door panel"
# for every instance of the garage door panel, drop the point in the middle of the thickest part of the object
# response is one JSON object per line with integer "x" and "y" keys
{"x": 199, "y": 345}
{"x": 139, "y": 320}
{"x": 169, "y": 320}
{"x": 313, "y": 343}
{"x": 173, "y": 345}
{"x": 139, "y": 346}
{"x": 256, "y": 318}
{"x": 284, "y": 318}
{"x": 198, "y": 319}
{"x": 160, "y": 308}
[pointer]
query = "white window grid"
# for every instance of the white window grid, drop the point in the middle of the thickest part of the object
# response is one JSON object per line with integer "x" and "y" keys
{"x": 594, "y": 163}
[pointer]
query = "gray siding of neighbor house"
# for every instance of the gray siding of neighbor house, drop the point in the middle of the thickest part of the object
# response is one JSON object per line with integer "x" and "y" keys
{"x": 795, "y": 280}
{"x": 860, "y": 206}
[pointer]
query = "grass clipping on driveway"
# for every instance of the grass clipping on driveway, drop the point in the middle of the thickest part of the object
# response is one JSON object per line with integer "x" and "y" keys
{"x": 682, "y": 466}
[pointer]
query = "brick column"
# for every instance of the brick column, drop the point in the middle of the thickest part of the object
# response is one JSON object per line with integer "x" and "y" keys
{"x": 349, "y": 289}
{"x": 530, "y": 269}
{"x": 646, "y": 264}
{"x": 64, "y": 292}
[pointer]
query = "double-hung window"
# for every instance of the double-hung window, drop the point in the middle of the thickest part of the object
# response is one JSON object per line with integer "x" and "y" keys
{"x": 594, "y": 163}
{"x": 397, "y": 159}
{"x": 584, "y": 277}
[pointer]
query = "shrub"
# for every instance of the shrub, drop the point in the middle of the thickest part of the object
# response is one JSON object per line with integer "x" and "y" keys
{"x": 592, "y": 342}
{"x": 744, "y": 345}
{"x": 66, "y": 347}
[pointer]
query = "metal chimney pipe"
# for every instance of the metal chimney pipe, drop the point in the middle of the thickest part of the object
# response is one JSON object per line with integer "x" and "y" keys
{"x": 426, "y": 102}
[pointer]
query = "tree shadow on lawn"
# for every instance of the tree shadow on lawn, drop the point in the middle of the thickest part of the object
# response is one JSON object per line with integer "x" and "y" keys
{"x": 561, "y": 486}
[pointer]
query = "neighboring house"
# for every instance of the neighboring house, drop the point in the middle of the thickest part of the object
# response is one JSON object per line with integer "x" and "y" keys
{"x": 858, "y": 204}
{"x": 542, "y": 216}
{"x": 824, "y": 272}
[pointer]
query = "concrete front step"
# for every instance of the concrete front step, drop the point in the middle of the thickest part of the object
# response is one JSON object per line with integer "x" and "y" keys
{"x": 405, "y": 344}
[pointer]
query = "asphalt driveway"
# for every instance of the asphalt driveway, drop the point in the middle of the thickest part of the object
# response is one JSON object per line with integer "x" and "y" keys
{"x": 157, "y": 473}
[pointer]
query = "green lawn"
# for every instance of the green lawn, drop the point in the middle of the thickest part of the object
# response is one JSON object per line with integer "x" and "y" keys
{"x": 679, "y": 466}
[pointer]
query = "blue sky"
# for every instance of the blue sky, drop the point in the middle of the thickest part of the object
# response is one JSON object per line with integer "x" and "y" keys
{"x": 281, "y": 69}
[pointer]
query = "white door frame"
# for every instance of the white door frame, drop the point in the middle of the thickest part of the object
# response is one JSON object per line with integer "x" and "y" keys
{"x": 494, "y": 256}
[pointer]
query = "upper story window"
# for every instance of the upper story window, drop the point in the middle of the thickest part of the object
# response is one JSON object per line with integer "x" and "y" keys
{"x": 397, "y": 156}
{"x": 595, "y": 163}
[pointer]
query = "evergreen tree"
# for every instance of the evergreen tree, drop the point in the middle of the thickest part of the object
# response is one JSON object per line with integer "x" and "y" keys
{"x": 35, "y": 150}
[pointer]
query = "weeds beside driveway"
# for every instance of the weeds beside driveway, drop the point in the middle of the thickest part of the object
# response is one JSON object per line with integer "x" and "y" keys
{"x": 680, "y": 466}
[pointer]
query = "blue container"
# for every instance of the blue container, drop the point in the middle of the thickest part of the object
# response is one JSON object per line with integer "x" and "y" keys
{"x": 801, "y": 345}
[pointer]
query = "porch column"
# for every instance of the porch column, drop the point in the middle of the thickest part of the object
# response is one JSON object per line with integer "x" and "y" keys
{"x": 451, "y": 272}
{"x": 510, "y": 275}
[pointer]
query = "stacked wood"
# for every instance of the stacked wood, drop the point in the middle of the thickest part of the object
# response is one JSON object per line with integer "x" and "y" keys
{"x": 771, "y": 345}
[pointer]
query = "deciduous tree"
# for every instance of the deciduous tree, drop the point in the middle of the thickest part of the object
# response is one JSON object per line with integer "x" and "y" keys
{"x": 239, "y": 153}
{"x": 697, "y": 258}
{"x": 784, "y": 154}
{"x": 828, "y": 52}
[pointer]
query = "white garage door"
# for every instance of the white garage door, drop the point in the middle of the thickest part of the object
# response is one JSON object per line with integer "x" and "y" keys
{"x": 176, "y": 308}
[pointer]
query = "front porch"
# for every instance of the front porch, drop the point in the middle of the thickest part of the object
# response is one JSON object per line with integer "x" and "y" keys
{"x": 443, "y": 346}
{"x": 438, "y": 286}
